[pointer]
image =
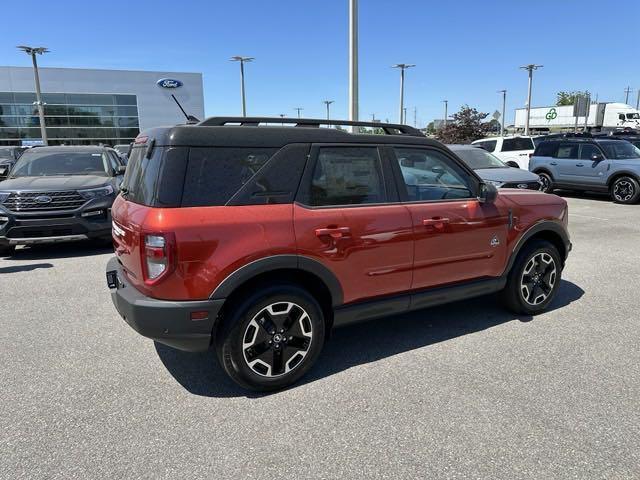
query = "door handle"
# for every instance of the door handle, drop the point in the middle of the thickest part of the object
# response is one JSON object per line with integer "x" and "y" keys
{"x": 436, "y": 222}
{"x": 579, "y": 164}
{"x": 553, "y": 163}
{"x": 333, "y": 232}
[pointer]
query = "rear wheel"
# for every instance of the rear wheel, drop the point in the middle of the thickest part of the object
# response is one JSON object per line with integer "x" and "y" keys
{"x": 625, "y": 190}
{"x": 271, "y": 338}
{"x": 534, "y": 279}
{"x": 546, "y": 182}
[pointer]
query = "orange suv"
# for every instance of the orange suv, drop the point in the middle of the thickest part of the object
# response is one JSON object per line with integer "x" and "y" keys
{"x": 257, "y": 238}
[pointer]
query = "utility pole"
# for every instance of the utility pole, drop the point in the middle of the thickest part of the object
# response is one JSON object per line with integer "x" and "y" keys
{"x": 373, "y": 117}
{"x": 638, "y": 101}
{"x": 298, "y": 109}
{"x": 529, "y": 68}
{"x": 32, "y": 51}
{"x": 504, "y": 105}
{"x": 402, "y": 67}
{"x": 282, "y": 115}
{"x": 327, "y": 103}
{"x": 242, "y": 61}
{"x": 446, "y": 112}
{"x": 415, "y": 116}
{"x": 353, "y": 62}
{"x": 627, "y": 91}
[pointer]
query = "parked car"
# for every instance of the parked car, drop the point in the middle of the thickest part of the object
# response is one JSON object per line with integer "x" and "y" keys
{"x": 8, "y": 158}
{"x": 59, "y": 194}
{"x": 123, "y": 151}
{"x": 514, "y": 151}
{"x": 583, "y": 164}
{"x": 493, "y": 170}
{"x": 258, "y": 240}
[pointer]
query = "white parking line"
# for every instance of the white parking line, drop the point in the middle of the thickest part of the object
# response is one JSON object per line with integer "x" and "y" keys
{"x": 587, "y": 216}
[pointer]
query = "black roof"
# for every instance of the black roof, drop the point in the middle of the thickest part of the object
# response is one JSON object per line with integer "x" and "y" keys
{"x": 70, "y": 148}
{"x": 271, "y": 132}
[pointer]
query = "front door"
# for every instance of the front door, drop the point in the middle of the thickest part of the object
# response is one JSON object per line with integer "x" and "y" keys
{"x": 592, "y": 165}
{"x": 457, "y": 238}
{"x": 347, "y": 217}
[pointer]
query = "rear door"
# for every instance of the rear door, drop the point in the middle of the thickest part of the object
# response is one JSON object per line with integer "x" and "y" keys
{"x": 347, "y": 217}
{"x": 517, "y": 149}
{"x": 457, "y": 238}
{"x": 565, "y": 161}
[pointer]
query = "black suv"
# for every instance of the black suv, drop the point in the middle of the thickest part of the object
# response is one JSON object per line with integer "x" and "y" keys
{"x": 57, "y": 194}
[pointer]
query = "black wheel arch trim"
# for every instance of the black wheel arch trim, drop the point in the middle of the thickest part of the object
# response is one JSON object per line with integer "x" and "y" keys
{"x": 622, "y": 173}
{"x": 279, "y": 262}
{"x": 543, "y": 170}
{"x": 543, "y": 226}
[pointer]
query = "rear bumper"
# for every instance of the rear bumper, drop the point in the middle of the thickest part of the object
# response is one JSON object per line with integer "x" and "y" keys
{"x": 165, "y": 321}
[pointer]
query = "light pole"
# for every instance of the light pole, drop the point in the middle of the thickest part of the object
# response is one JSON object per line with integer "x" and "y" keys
{"x": 627, "y": 91}
{"x": 353, "y": 62}
{"x": 282, "y": 115}
{"x": 33, "y": 51}
{"x": 529, "y": 68}
{"x": 402, "y": 67}
{"x": 638, "y": 101}
{"x": 298, "y": 109}
{"x": 504, "y": 104}
{"x": 446, "y": 112}
{"x": 242, "y": 61}
{"x": 327, "y": 103}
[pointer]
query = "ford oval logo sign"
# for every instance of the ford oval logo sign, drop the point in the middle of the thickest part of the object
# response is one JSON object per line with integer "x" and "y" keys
{"x": 43, "y": 199}
{"x": 169, "y": 83}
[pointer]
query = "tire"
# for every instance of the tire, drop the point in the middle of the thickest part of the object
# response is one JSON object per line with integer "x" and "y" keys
{"x": 625, "y": 190}
{"x": 534, "y": 278}
{"x": 7, "y": 250}
{"x": 271, "y": 338}
{"x": 547, "y": 182}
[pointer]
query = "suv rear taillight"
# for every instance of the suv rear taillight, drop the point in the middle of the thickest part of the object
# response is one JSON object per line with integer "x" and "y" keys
{"x": 158, "y": 256}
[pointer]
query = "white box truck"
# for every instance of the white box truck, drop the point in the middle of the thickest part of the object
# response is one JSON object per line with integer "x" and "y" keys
{"x": 604, "y": 116}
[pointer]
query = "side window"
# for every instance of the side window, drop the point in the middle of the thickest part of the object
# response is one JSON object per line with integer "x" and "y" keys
{"x": 430, "y": 175}
{"x": 517, "y": 143}
{"x": 489, "y": 145}
{"x": 546, "y": 149}
{"x": 588, "y": 151}
{"x": 347, "y": 176}
{"x": 567, "y": 150}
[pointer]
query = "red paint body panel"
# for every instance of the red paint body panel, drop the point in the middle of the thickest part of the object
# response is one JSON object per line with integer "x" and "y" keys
{"x": 384, "y": 249}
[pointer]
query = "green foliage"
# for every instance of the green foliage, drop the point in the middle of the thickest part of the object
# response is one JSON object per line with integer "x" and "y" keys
{"x": 465, "y": 126}
{"x": 568, "y": 98}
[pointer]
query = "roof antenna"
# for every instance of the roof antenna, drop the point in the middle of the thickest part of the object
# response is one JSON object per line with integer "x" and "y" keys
{"x": 190, "y": 118}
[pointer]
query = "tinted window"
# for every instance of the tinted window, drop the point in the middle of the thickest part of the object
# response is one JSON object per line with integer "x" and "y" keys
{"x": 430, "y": 175}
{"x": 347, "y": 176}
{"x": 620, "y": 150}
{"x": 518, "y": 143}
{"x": 37, "y": 163}
{"x": 567, "y": 150}
{"x": 214, "y": 175}
{"x": 489, "y": 146}
{"x": 141, "y": 176}
{"x": 546, "y": 149}
{"x": 588, "y": 150}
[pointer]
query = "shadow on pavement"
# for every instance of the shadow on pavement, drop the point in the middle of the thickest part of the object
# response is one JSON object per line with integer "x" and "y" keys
{"x": 24, "y": 268}
{"x": 61, "y": 250}
{"x": 362, "y": 343}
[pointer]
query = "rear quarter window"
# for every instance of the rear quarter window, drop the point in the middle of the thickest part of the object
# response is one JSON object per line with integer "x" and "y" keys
{"x": 518, "y": 143}
{"x": 141, "y": 177}
{"x": 546, "y": 149}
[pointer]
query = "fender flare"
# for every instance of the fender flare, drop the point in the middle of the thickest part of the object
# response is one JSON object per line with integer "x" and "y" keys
{"x": 622, "y": 173}
{"x": 278, "y": 262}
{"x": 542, "y": 226}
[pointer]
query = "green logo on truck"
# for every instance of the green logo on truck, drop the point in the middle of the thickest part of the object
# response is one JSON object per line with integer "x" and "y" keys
{"x": 551, "y": 114}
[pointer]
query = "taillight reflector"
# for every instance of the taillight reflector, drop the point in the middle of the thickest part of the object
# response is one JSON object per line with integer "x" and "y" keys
{"x": 158, "y": 257}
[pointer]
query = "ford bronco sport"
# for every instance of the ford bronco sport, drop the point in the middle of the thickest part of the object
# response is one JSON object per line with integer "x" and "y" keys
{"x": 257, "y": 238}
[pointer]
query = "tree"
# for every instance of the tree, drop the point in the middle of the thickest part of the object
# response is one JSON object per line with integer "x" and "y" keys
{"x": 465, "y": 126}
{"x": 568, "y": 98}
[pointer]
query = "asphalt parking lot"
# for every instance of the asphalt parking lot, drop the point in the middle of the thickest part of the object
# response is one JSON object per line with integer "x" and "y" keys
{"x": 460, "y": 391}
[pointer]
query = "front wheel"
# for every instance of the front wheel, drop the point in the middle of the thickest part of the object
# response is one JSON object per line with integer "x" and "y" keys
{"x": 625, "y": 190}
{"x": 534, "y": 279}
{"x": 546, "y": 182}
{"x": 271, "y": 338}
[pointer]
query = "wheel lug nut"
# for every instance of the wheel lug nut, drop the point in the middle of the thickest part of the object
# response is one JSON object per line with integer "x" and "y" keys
{"x": 282, "y": 330}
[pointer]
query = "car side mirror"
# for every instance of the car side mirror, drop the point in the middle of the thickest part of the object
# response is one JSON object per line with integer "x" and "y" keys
{"x": 488, "y": 193}
{"x": 596, "y": 157}
{"x": 121, "y": 169}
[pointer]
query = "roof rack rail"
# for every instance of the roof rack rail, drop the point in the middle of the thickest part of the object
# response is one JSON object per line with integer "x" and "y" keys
{"x": 388, "y": 128}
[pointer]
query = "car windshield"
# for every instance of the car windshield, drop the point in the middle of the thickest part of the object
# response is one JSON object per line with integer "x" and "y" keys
{"x": 43, "y": 164}
{"x": 633, "y": 116}
{"x": 620, "y": 150}
{"x": 479, "y": 158}
{"x": 7, "y": 153}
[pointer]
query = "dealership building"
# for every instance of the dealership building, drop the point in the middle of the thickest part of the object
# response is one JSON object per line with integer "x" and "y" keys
{"x": 84, "y": 106}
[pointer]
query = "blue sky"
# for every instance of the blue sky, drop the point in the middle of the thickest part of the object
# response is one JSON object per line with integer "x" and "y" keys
{"x": 465, "y": 50}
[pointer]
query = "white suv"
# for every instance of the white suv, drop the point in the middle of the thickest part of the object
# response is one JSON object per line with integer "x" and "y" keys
{"x": 514, "y": 151}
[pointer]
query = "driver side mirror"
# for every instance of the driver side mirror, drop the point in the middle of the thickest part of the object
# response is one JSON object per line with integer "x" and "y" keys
{"x": 121, "y": 169}
{"x": 488, "y": 193}
{"x": 596, "y": 157}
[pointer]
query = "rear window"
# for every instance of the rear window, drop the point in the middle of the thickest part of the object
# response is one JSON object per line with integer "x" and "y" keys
{"x": 518, "y": 143}
{"x": 215, "y": 174}
{"x": 140, "y": 179}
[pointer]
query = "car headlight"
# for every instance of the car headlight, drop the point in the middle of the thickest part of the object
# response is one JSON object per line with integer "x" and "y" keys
{"x": 96, "y": 192}
{"x": 4, "y": 196}
{"x": 494, "y": 183}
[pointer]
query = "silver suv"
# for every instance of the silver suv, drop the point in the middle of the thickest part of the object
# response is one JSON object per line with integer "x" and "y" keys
{"x": 589, "y": 165}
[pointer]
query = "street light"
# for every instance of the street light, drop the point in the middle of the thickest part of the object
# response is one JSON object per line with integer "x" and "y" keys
{"x": 504, "y": 103}
{"x": 33, "y": 51}
{"x": 529, "y": 68}
{"x": 242, "y": 61}
{"x": 402, "y": 67}
{"x": 298, "y": 109}
{"x": 446, "y": 108}
{"x": 327, "y": 103}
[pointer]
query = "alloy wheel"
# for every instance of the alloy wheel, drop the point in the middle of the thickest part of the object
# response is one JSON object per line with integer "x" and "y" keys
{"x": 545, "y": 183}
{"x": 623, "y": 190}
{"x": 277, "y": 339}
{"x": 538, "y": 278}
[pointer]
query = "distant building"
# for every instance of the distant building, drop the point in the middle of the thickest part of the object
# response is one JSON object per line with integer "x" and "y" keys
{"x": 93, "y": 106}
